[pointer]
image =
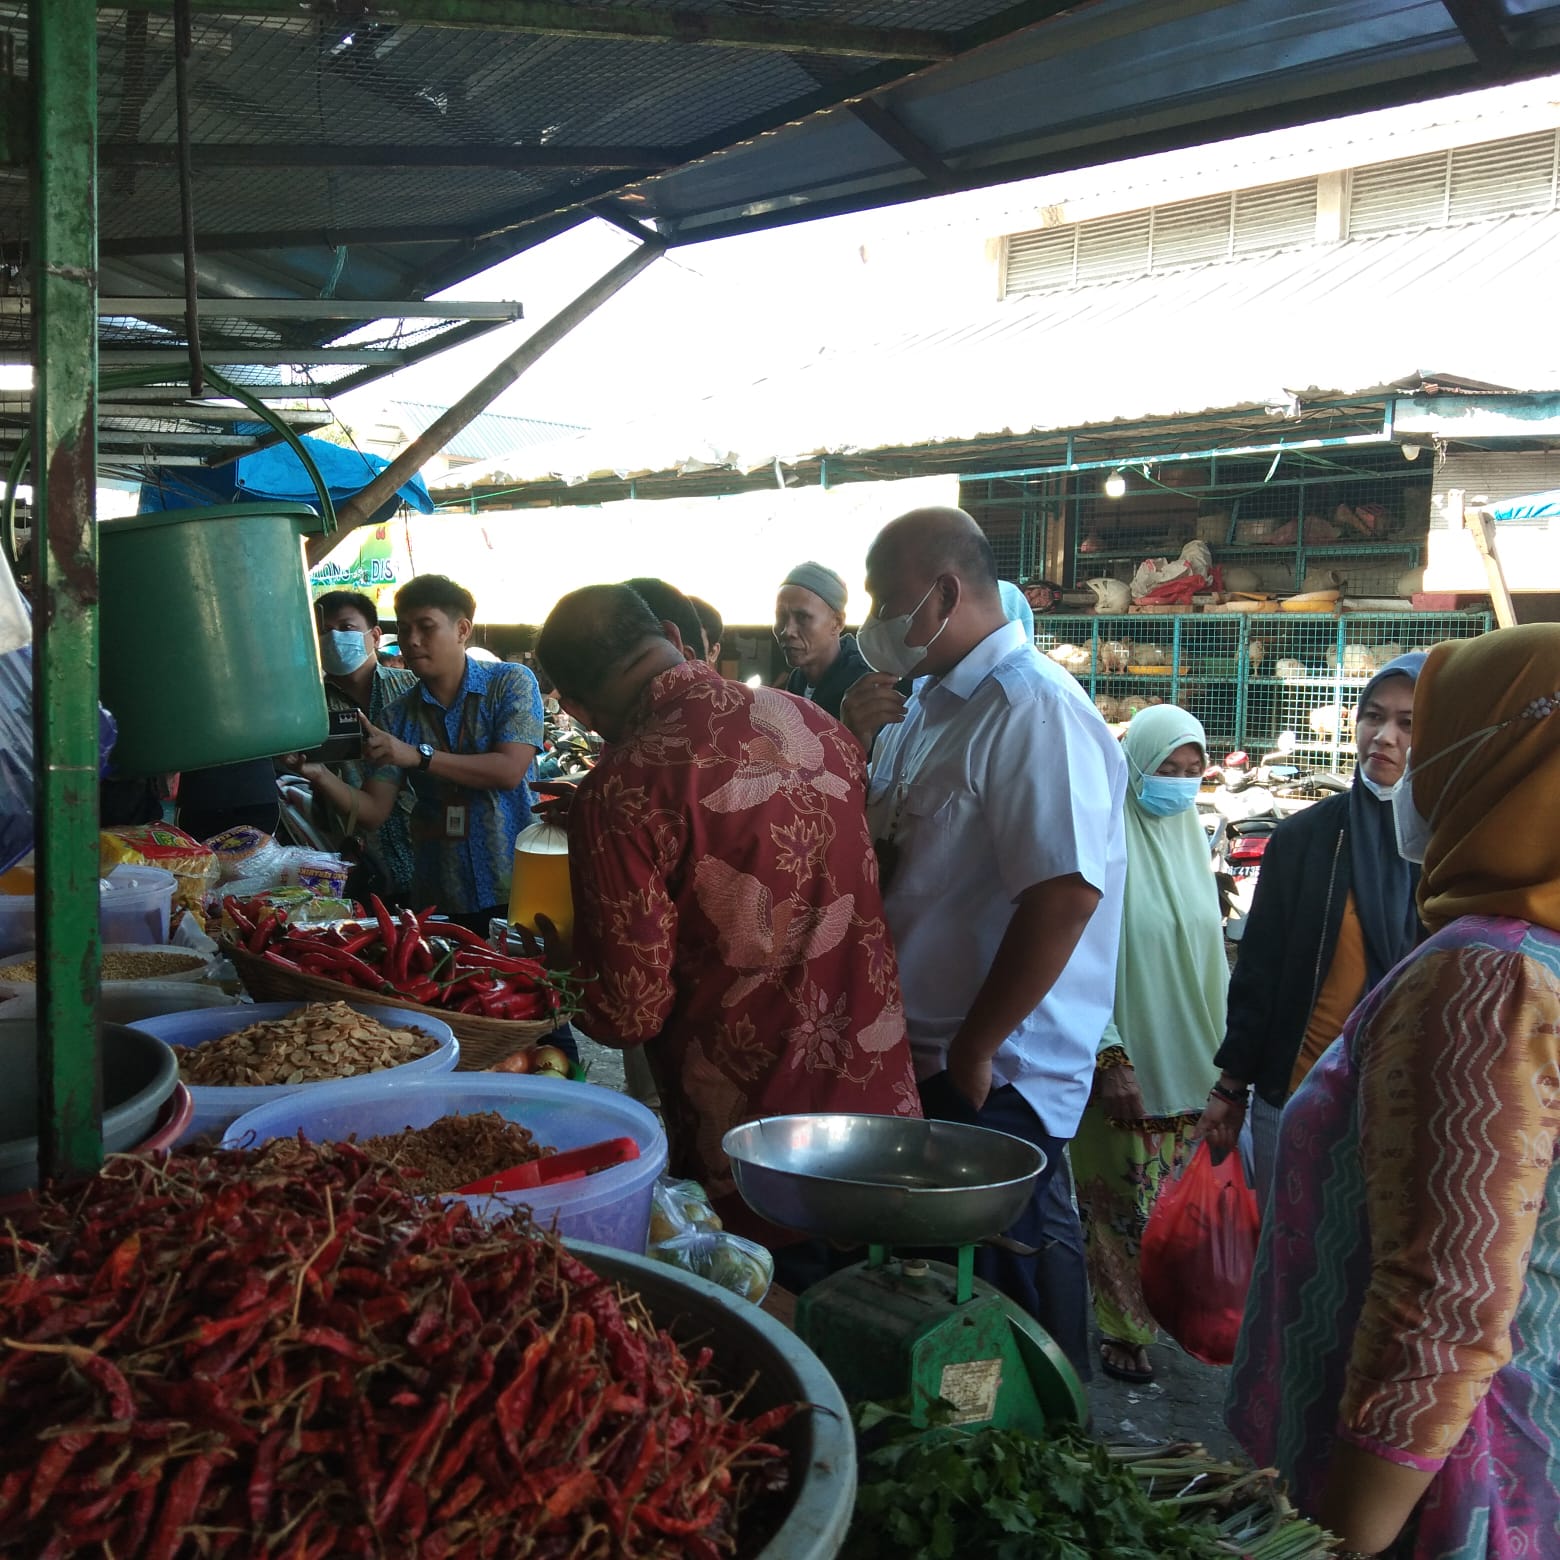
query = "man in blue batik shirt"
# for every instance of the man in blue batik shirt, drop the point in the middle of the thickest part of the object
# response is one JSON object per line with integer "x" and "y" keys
{"x": 465, "y": 740}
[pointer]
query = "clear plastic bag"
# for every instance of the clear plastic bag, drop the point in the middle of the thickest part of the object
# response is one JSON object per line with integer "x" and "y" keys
{"x": 685, "y": 1233}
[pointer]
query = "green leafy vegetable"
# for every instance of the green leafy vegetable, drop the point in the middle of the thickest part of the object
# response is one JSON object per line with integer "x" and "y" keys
{"x": 989, "y": 1494}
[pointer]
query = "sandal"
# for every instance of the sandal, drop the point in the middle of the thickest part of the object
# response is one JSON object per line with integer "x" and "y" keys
{"x": 1137, "y": 1374}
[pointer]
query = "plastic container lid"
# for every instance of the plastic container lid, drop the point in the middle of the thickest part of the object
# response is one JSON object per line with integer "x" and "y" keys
{"x": 217, "y": 1108}
{"x": 308, "y": 519}
{"x": 611, "y": 1208}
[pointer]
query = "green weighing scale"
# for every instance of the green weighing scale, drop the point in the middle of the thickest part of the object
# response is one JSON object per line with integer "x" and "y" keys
{"x": 897, "y": 1327}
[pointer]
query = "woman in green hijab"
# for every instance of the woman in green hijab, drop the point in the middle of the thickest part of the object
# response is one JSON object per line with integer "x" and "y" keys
{"x": 1155, "y": 1062}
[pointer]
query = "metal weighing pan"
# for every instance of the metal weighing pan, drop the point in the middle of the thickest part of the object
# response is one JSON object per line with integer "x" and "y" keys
{"x": 885, "y": 1180}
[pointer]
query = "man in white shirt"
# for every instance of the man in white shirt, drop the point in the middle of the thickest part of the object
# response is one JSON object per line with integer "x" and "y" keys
{"x": 995, "y": 799}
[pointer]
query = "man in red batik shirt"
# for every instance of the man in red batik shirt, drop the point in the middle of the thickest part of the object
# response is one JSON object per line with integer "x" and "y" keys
{"x": 726, "y": 906}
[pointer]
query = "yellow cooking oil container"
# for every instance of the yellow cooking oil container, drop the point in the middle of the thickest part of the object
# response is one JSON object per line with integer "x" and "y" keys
{"x": 540, "y": 885}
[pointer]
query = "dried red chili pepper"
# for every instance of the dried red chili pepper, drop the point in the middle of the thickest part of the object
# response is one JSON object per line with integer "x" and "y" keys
{"x": 278, "y": 1405}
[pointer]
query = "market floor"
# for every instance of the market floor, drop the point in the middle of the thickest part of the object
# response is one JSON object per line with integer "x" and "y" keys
{"x": 1183, "y": 1403}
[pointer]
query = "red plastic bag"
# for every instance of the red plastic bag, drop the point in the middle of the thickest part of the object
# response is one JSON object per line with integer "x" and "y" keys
{"x": 1196, "y": 1256}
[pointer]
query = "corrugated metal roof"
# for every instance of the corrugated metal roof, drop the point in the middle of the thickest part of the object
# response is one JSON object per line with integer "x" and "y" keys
{"x": 1347, "y": 319}
{"x": 486, "y": 437}
{"x": 429, "y": 142}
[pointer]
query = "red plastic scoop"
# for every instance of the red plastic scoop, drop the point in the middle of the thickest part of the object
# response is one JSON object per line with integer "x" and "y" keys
{"x": 574, "y": 1165}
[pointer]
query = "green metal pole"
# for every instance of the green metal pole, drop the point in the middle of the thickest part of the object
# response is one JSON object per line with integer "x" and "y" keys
{"x": 62, "y": 62}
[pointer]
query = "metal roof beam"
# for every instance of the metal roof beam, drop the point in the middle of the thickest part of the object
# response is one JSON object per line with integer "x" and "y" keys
{"x": 629, "y": 24}
{"x": 297, "y": 309}
{"x": 903, "y": 140}
{"x": 415, "y": 353}
{"x": 289, "y": 238}
{"x": 156, "y": 357}
{"x": 643, "y": 160}
{"x": 185, "y": 411}
{"x": 1480, "y": 26}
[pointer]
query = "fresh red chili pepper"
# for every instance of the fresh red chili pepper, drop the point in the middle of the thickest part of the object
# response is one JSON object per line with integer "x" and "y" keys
{"x": 262, "y": 933}
{"x": 388, "y": 932}
{"x": 281, "y": 962}
{"x": 458, "y": 933}
{"x": 351, "y": 969}
{"x": 237, "y": 915}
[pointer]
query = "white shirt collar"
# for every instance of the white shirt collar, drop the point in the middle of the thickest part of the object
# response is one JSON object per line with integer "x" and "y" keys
{"x": 982, "y": 661}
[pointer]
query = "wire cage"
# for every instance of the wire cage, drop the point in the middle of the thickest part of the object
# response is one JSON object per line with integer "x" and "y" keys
{"x": 1126, "y": 663}
{"x": 1305, "y": 672}
{"x": 1290, "y": 526}
{"x": 1247, "y": 679}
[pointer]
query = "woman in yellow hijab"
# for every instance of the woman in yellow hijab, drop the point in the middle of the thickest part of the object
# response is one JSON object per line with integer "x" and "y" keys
{"x": 1398, "y": 1358}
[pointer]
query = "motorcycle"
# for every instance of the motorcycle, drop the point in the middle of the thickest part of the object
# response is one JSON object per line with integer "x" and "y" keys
{"x": 1243, "y": 810}
{"x": 568, "y": 751}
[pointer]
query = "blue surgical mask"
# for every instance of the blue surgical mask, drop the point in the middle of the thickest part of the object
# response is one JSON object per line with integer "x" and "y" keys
{"x": 343, "y": 651}
{"x": 1166, "y": 795}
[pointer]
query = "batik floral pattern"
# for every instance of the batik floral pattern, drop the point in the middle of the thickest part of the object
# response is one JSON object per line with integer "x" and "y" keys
{"x": 727, "y": 914}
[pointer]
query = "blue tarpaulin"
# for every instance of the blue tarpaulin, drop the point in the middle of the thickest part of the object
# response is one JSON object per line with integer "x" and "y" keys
{"x": 277, "y": 474}
{"x": 1531, "y": 506}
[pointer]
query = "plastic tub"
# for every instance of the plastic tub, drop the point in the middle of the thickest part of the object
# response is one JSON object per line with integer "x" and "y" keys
{"x": 135, "y": 904}
{"x": 199, "y": 966}
{"x": 124, "y": 1002}
{"x": 134, "y": 907}
{"x": 217, "y": 1108}
{"x": 139, "y": 1074}
{"x": 611, "y": 1207}
{"x": 750, "y": 1346}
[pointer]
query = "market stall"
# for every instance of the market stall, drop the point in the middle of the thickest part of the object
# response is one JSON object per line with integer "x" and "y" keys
{"x": 295, "y": 1348}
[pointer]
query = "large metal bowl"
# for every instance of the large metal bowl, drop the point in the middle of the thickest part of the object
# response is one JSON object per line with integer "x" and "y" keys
{"x": 887, "y": 1180}
{"x": 139, "y": 1074}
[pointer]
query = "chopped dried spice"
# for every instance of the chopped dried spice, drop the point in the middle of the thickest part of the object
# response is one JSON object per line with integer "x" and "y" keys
{"x": 456, "y": 1150}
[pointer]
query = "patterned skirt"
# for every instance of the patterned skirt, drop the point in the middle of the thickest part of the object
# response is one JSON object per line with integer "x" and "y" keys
{"x": 1119, "y": 1168}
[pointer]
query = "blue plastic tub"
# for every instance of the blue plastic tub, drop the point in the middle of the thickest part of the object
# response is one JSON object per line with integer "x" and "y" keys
{"x": 611, "y": 1208}
{"x": 217, "y": 1108}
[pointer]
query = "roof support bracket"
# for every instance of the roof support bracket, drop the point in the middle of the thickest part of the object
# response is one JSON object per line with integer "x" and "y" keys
{"x": 1480, "y": 26}
{"x": 476, "y": 400}
{"x": 900, "y": 138}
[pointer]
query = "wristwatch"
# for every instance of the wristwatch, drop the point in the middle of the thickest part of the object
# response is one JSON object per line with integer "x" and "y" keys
{"x": 424, "y": 754}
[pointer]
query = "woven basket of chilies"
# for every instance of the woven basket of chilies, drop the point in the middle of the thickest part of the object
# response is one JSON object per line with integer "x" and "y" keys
{"x": 409, "y": 962}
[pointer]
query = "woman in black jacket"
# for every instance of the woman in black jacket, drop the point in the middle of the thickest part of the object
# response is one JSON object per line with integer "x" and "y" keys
{"x": 1333, "y": 912}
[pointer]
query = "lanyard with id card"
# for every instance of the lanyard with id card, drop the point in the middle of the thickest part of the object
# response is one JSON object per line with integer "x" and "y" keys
{"x": 452, "y": 819}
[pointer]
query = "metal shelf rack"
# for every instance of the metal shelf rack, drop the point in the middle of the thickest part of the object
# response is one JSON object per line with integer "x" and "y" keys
{"x": 1237, "y": 504}
{"x": 1223, "y": 668}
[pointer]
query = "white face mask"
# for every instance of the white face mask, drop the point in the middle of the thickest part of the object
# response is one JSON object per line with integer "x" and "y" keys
{"x": 881, "y": 641}
{"x": 1408, "y": 823}
{"x": 343, "y": 651}
{"x": 1382, "y": 793}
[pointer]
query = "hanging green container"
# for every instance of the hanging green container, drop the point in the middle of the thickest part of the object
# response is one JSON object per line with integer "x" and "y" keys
{"x": 208, "y": 647}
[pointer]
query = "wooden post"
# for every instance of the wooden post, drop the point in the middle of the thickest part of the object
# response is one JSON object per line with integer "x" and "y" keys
{"x": 1481, "y": 527}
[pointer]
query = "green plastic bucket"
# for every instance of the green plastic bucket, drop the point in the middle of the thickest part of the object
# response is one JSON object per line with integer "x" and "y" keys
{"x": 208, "y": 648}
